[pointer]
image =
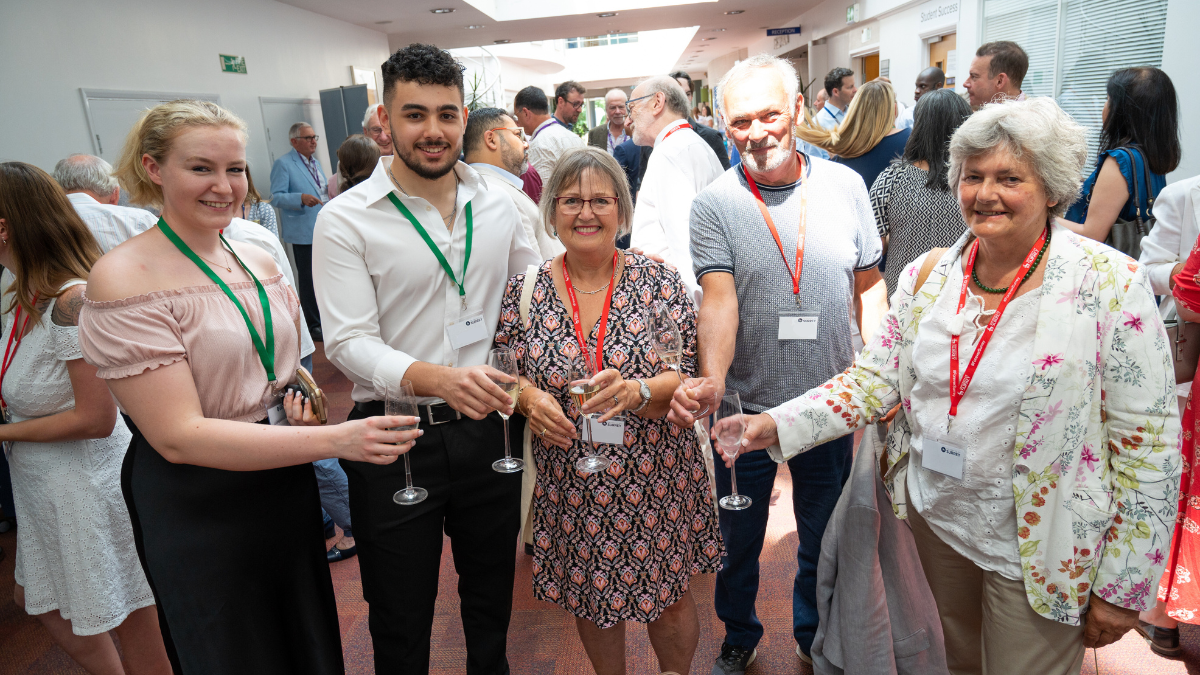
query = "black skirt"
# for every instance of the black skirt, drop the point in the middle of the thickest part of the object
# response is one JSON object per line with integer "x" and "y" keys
{"x": 236, "y": 560}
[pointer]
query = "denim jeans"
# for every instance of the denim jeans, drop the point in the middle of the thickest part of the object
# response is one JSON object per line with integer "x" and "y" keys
{"x": 335, "y": 494}
{"x": 817, "y": 479}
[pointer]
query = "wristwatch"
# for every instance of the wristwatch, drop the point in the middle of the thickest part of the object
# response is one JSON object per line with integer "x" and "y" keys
{"x": 644, "y": 390}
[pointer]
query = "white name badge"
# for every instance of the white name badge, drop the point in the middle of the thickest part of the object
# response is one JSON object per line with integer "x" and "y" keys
{"x": 276, "y": 415}
{"x": 798, "y": 325}
{"x": 611, "y": 432}
{"x": 943, "y": 457}
{"x": 470, "y": 330}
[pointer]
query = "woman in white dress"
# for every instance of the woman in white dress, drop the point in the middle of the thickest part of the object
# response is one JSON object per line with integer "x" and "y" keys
{"x": 77, "y": 569}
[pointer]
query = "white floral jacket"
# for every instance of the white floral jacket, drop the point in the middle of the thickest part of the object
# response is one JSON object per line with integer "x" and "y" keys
{"x": 1096, "y": 463}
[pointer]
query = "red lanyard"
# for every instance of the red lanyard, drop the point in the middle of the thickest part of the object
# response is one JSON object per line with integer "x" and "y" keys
{"x": 10, "y": 352}
{"x": 958, "y": 387}
{"x": 684, "y": 125}
{"x": 771, "y": 223}
{"x": 596, "y": 366}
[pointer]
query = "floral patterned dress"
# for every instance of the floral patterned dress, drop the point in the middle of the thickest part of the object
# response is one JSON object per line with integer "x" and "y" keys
{"x": 1182, "y": 594}
{"x": 621, "y": 544}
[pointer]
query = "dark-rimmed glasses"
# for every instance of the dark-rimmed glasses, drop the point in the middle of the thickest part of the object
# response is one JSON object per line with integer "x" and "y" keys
{"x": 601, "y": 206}
{"x": 520, "y": 133}
{"x": 308, "y": 138}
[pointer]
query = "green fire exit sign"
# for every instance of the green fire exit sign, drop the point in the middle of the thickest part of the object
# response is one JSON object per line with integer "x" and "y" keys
{"x": 233, "y": 64}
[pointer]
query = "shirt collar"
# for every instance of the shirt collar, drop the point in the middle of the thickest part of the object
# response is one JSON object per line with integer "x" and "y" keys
{"x": 833, "y": 109}
{"x": 549, "y": 120}
{"x": 380, "y": 184}
{"x": 484, "y": 167}
{"x": 668, "y": 129}
{"x": 81, "y": 198}
{"x": 807, "y": 172}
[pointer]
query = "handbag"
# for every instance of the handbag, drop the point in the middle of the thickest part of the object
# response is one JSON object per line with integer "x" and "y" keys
{"x": 1126, "y": 235}
{"x": 1183, "y": 337}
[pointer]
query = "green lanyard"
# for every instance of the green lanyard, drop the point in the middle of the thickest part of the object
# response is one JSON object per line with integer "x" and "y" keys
{"x": 266, "y": 353}
{"x": 462, "y": 290}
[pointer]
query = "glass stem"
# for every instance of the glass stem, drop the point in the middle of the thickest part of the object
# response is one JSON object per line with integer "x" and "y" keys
{"x": 407, "y": 473}
{"x": 507, "y": 450}
{"x": 733, "y": 480}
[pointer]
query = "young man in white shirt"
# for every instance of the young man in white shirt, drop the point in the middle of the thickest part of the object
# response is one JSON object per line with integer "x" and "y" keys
{"x": 402, "y": 300}
{"x": 680, "y": 167}
{"x": 94, "y": 191}
{"x": 996, "y": 74}
{"x": 550, "y": 136}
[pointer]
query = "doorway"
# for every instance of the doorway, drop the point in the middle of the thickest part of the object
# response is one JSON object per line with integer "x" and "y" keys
{"x": 112, "y": 114}
{"x": 870, "y": 67}
{"x": 943, "y": 54}
{"x": 279, "y": 114}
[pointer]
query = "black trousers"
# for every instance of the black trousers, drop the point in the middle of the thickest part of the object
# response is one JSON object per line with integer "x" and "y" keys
{"x": 304, "y": 281}
{"x": 400, "y": 547}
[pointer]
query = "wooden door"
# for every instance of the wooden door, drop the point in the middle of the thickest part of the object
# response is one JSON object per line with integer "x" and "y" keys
{"x": 939, "y": 55}
{"x": 870, "y": 67}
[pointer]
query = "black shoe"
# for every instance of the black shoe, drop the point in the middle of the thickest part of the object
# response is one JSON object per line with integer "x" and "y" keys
{"x": 733, "y": 660}
{"x": 336, "y": 554}
{"x": 316, "y": 334}
{"x": 1163, "y": 641}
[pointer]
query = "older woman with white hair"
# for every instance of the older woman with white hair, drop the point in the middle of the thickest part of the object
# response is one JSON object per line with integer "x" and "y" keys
{"x": 623, "y": 543}
{"x": 1035, "y": 452}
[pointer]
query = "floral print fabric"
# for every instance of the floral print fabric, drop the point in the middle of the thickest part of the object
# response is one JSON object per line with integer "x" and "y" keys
{"x": 1096, "y": 462}
{"x": 621, "y": 544}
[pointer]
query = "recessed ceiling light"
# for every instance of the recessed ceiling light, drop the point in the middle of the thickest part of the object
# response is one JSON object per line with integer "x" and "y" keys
{"x": 501, "y": 42}
{"x": 735, "y": 12}
{"x": 474, "y": 26}
{"x": 764, "y": 28}
{"x": 607, "y": 15}
{"x": 718, "y": 30}
{"x": 443, "y": 10}
{"x": 381, "y": 23}
{"x": 707, "y": 39}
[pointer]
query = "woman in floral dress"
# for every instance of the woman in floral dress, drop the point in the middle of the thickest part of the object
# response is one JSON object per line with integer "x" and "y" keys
{"x": 621, "y": 544}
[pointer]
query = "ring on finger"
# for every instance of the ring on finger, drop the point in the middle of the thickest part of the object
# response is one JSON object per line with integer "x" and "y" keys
{"x": 543, "y": 433}
{"x": 616, "y": 401}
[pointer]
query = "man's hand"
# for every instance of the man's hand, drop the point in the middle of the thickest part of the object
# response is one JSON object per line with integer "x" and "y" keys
{"x": 309, "y": 200}
{"x": 1105, "y": 623}
{"x": 471, "y": 391}
{"x": 653, "y": 256}
{"x": 692, "y": 396}
{"x": 761, "y": 433}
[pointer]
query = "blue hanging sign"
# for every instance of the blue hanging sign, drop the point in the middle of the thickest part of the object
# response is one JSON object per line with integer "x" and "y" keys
{"x": 794, "y": 30}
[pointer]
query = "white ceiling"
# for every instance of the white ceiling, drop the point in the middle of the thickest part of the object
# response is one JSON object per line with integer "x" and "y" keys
{"x": 411, "y": 21}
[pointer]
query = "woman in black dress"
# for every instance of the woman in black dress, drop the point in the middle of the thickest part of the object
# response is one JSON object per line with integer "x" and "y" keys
{"x": 197, "y": 339}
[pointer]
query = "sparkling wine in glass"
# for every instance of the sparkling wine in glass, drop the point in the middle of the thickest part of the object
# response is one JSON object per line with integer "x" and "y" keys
{"x": 729, "y": 429}
{"x": 581, "y": 392}
{"x": 667, "y": 341}
{"x": 402, "y": 401}
{"x": 505, "y": 361}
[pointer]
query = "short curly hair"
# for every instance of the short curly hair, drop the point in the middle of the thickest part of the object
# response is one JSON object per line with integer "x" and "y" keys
{"x": 423, "y": 64}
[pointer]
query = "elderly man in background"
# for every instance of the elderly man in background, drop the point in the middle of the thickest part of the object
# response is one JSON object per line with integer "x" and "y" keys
{"x": 373, "y": 130}
{"x": 611, "y": 134}
{"x": 94, "y": 192}
{"x": 709, "y": 135}
{"x": 296, "y": 182}
{"x": 550, "y": 135}
{"x": 681, "y": 166}
{"x": 996, "y": 74}
{"x": 495, "y": 146}
{"x": 930, "y": 79}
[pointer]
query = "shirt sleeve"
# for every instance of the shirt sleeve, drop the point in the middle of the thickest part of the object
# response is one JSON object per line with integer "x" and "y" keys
{"x": 870, "y": 247}
{"x": 281, "y": 185}
{"x": 881, "y": 192}
{"x": 509, "y": 332}
{"x": 349, "y": 314}
{"x": 1187, "y": 289}
{"x": 123, "y": 341}
{"x": 1162, "y": 248}
{"x": 711, "y": 251}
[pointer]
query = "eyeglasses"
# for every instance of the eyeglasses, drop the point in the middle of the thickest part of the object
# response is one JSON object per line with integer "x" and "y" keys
{"x": 520, "y": 133}
{"x": 601, "y": 206}
{"x": 629, "y": 106}
{"x": 375, "y": 131}
{"x": 308, "y": 138}
{"x": 578, "y": 105}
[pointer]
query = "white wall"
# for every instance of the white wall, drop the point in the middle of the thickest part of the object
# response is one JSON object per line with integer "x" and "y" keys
{"x": 164, "y": 46}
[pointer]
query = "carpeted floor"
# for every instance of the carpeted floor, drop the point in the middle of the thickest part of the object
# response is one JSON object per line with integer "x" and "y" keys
{"x": 542, "y": 639}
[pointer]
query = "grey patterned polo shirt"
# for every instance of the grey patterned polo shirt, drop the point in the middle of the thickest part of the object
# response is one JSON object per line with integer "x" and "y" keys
{"x": 728, "y": 234}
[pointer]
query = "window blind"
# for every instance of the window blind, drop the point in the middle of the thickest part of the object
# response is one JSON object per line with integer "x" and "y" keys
{"x": 1033, "y": 24}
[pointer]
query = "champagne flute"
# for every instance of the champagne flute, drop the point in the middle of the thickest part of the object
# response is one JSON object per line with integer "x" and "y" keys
{"x": 505, "y": 361}
{"x": 402, "y": 401}
{"x": 730, "y": 428}
{"x": 577, "y": 378}
{"x": 667, "y": 341}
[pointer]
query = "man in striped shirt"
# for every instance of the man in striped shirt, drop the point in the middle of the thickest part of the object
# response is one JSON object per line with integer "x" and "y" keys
{"x": 93, "y": 191}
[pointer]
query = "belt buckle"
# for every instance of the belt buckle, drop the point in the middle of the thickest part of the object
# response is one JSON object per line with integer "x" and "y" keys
{"x": 432, "y": 423}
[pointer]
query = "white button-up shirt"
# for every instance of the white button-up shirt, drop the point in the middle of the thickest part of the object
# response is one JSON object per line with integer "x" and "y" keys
{"x": 550, "y": 141}
{"x": 681, "y": 165}
{"x": 111, "y": 224}
{"x": 386, "y": 301}
{"x": 250, "y": 232}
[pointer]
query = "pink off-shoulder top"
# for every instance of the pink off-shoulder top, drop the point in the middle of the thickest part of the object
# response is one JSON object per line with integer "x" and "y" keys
{"x": 199, "y": 324}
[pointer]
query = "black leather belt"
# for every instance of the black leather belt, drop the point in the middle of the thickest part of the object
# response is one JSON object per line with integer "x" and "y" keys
{"x": 432, "y": 415}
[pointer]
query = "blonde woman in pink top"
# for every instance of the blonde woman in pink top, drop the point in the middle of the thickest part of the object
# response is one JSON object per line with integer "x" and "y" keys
{"x": 197, "y": 338}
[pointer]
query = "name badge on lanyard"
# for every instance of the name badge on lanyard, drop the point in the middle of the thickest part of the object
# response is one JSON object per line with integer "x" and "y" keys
{"x": 796, "y": 325}
{"x": 276, "y": 414}
{"x": 468, "y": 331}
{"x": 943, "y": 456}
{"x": 611, "y": 432}
{"x": 800, "y": 231}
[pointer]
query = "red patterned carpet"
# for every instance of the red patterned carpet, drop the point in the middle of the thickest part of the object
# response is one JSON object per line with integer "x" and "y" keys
{"x": 542, "y": 640}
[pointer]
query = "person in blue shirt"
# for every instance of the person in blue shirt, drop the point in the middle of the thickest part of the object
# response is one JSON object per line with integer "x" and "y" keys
{"x": 839, "y": 92}
{"x": 1139, "y": 141}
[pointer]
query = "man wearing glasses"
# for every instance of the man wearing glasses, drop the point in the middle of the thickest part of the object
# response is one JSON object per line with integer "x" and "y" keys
{"x": 551, "y": 136}
{"x": 299, "y": 189}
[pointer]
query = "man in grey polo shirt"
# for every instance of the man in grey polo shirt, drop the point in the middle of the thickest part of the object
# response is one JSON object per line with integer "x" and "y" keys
{"x": 762, "y": 339}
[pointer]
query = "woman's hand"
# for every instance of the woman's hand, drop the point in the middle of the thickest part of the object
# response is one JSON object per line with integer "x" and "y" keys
{"x": 614, "y": 395}
{"x": 299, "y": 410}
{"x": 760, "y": 433}
{"x": 546, "y": 418}
{"x": 1105, "y": 623}
{"x": 371, "y": 440}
